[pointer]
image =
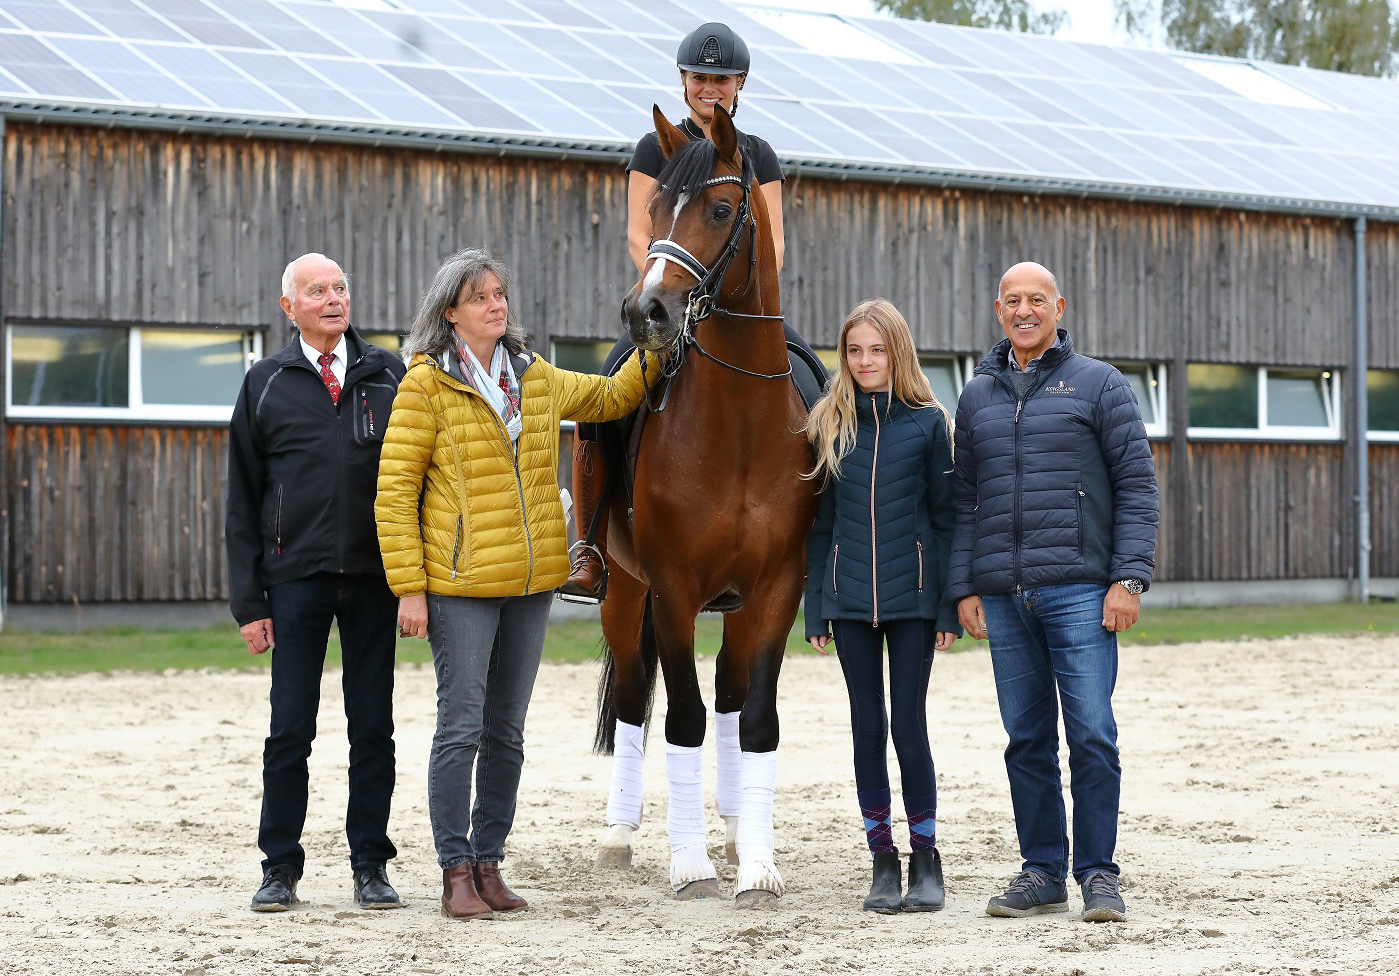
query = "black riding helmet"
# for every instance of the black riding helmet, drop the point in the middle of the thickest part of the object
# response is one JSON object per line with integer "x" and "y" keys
{"x": 713, "y": 49}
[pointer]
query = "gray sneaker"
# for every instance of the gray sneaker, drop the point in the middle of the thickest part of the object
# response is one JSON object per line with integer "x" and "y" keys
{"x": 1102, "y": 901}
{"x": 1031, "y": 893}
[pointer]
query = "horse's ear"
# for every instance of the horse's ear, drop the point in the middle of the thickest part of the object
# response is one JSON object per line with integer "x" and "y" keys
{"x": 671, "y": 137}
{"x": 725, "y": 136}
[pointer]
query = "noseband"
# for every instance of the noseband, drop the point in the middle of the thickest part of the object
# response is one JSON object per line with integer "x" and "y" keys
{"x": 702, "y": 302}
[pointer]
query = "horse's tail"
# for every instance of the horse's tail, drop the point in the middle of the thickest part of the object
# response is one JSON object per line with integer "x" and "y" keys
{"x": 604, "y": 739}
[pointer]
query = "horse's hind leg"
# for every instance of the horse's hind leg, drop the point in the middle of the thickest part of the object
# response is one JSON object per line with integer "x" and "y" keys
{"x": 633, "y": 678}
{"x": 730, "y": 688}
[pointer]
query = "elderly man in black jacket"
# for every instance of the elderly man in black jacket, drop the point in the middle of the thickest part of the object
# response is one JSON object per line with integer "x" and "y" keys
{"x": 1055, "y": 542}
{"x": 303, "y": 467}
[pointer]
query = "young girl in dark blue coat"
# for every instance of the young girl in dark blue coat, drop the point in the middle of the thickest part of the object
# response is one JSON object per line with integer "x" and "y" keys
{"x": 876, "y": 569}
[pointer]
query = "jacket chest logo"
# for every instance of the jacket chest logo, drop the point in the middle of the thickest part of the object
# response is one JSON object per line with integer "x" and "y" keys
{"x": 1061, "y": 388}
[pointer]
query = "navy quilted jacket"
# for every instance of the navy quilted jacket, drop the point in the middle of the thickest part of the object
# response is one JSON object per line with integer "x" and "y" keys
{"x": 883, "y": 534}
{"x": 1056, "y": 488}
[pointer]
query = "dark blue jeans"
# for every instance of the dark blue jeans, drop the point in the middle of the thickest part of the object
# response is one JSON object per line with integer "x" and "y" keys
{"x": 302, "y": 612}
{"x": 1049, "y": 647}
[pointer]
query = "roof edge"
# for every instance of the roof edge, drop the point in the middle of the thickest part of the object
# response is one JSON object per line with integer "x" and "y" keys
{"x": 507, "y": 144}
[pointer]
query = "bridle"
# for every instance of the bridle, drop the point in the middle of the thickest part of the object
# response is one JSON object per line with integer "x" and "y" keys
{"x": 702, "y": 302}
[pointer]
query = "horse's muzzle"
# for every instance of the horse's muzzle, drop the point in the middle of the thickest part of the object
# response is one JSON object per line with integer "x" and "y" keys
{"x": 651, "y": 322}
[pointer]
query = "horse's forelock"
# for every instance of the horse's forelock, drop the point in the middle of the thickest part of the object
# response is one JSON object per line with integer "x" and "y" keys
{"x": 687, "y": 170}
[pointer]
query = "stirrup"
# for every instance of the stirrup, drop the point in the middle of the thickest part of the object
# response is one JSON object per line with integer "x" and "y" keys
{"x": 587, "y": 599}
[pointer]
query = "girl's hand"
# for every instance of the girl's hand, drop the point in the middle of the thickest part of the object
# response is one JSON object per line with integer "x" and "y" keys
{"x": 820, "y": 644}
{"x": 945, "y": 640}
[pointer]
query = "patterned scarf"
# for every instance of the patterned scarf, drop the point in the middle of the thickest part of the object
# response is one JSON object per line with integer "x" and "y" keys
{"x": 498, "y": 386}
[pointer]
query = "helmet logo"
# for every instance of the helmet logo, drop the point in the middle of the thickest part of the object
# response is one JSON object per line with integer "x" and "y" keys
{"x": 709, "y": 54}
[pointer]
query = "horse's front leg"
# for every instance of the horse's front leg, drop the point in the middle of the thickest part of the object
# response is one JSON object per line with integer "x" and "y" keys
{"x": 730, "y": 690}
{"x": 762, "y": 629}
{"x": 692, "y": 873}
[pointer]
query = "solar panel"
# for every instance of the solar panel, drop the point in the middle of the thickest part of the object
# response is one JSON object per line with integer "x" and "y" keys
{"x": 937, "y": 99}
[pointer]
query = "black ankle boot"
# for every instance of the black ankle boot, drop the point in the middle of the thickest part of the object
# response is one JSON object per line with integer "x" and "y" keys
{"x": 925, "y": 891}
{"x": 888, "y": 882}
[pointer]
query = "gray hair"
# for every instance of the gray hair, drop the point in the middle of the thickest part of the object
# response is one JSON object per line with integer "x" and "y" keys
{"x": 430, "y": 331}
{"x": 289, "y": 273}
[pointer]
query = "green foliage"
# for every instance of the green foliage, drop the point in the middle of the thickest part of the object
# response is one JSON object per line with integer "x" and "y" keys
{"x": 1356, "y": 36}
{"x": 1010, "y": 15}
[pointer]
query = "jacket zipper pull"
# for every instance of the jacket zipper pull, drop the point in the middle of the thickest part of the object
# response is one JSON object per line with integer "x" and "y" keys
{"x": 1018, "y": 405}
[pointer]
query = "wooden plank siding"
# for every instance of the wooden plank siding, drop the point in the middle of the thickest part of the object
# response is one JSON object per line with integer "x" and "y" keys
{"x": 126, "y": 226}
{"x": 116, "y": 513}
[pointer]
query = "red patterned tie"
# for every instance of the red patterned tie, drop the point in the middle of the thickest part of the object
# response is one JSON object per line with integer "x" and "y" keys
{"x": 331, "y": 383}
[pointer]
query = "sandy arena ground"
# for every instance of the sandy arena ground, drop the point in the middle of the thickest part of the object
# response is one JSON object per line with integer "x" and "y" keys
{"x": 1258, "y": 833}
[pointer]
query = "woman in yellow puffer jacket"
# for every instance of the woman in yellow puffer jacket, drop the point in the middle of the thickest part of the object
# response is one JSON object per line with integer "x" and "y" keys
{"x": 472, "y": 534}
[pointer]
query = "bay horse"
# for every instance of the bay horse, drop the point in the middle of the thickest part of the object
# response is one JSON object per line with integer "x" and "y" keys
{"x": 719, "y": 517}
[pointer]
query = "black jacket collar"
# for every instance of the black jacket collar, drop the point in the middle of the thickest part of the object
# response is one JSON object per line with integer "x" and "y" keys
{"x": 998, "y": 359}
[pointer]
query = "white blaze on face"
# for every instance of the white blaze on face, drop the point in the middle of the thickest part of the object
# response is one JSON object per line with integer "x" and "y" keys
{"x": 657, "y": 269}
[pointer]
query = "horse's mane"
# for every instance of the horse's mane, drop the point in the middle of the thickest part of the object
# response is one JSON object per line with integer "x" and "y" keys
{"x": 688, "y": 168}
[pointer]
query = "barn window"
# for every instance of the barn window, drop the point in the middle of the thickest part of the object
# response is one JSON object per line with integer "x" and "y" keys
{"x": 581, "y": 357}
{"x": 97, "y": 372}
{"x": 1148, "y": 383}
{"x": 1271, "y": 402}
{"x": 947, "y": 375}
{"x": 1382, "y": 398}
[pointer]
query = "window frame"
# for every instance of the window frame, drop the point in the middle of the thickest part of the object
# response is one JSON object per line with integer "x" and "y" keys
{"x": 1331, "y": 385}
{"x": 251, "y": 338}
{"x": 1160, "y": 400}
{"x": 1379, "y": 436}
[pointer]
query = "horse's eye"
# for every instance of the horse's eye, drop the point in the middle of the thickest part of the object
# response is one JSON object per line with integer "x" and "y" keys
{"x": 723, "y": 212}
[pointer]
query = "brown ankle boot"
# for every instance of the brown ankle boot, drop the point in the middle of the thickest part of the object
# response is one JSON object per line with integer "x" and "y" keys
{"x": 492, "y": 888}
{"x": 587, "y": 578}
{"x": 459, "y": 896}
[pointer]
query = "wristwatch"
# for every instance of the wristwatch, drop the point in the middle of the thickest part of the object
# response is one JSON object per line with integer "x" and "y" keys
{"x": 1132, "y": 586}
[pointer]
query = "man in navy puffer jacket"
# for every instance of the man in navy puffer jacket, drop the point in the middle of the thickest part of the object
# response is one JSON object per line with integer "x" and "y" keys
{"x": 1055, "y": 541}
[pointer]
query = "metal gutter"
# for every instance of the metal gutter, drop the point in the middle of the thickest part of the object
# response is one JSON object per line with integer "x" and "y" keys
{"x": 563, "y": 148}
{"x": 1362, "y": 419}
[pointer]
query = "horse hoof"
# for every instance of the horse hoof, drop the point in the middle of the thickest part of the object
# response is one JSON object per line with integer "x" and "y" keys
{"x": 731, "y": 853}
{"x": 755, "y": 898}
{"x": 703, "y": 888}
{"x": 614, "y": 858}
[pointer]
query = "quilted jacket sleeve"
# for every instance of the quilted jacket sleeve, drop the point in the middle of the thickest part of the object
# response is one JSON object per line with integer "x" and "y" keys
{"x": 592, "y": 398}
{"x": 1127, "y": 452}
{"x": 818, "y": 549}
{"x": 959, "y": 570}
{"x": 942, "y": 509}
{"x": 403, "y": 464}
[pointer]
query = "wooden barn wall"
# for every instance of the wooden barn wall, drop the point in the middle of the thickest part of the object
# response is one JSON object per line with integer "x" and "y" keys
{"x": 147, "y": 227}
{"x": 116, "y": 513}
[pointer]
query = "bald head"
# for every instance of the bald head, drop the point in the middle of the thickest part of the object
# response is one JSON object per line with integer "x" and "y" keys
{"x": 1029, "y": 307}
{"x": 1038, "y": 273}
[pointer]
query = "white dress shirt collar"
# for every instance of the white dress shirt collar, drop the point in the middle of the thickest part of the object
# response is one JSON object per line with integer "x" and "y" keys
{"x": 337, "y": 366}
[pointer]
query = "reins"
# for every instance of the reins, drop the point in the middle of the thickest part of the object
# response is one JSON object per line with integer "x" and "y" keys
{"x": 701, "y": 302}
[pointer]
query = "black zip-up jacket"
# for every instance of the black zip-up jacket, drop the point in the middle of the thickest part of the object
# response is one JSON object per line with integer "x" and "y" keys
{"x": 883, "y": 533}
{"x": 1054, "y": 487}
{"x": 303, "y": 472}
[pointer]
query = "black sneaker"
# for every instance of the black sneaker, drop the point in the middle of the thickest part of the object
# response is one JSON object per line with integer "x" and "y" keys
{"x": 372, "y": 889}
{"x": 1031, "y": 893}
{"x": 1102, "y": 899}
{"x": 278, "y": 891}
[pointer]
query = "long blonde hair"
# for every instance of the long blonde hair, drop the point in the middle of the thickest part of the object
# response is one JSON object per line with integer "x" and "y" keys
{"x": 831, "y": 426}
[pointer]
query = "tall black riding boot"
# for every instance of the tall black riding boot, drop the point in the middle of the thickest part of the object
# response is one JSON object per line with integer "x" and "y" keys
{"x": 925, "y": 891}
{"x": 888, "y": 883}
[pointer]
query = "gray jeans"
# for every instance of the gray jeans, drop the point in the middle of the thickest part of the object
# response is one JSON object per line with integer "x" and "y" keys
{"x": 486, "y": 653}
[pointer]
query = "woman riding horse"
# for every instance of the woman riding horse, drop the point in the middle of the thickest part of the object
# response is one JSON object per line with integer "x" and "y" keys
{"x": 713, "y": 63}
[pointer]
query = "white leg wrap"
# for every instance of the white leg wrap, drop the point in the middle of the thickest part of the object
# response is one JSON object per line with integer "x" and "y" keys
{"x": 689, "y": 860}
{"x": 730, "y": 764}
{"x": 755, "y": 844}
{"x": 624, "y": 798}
